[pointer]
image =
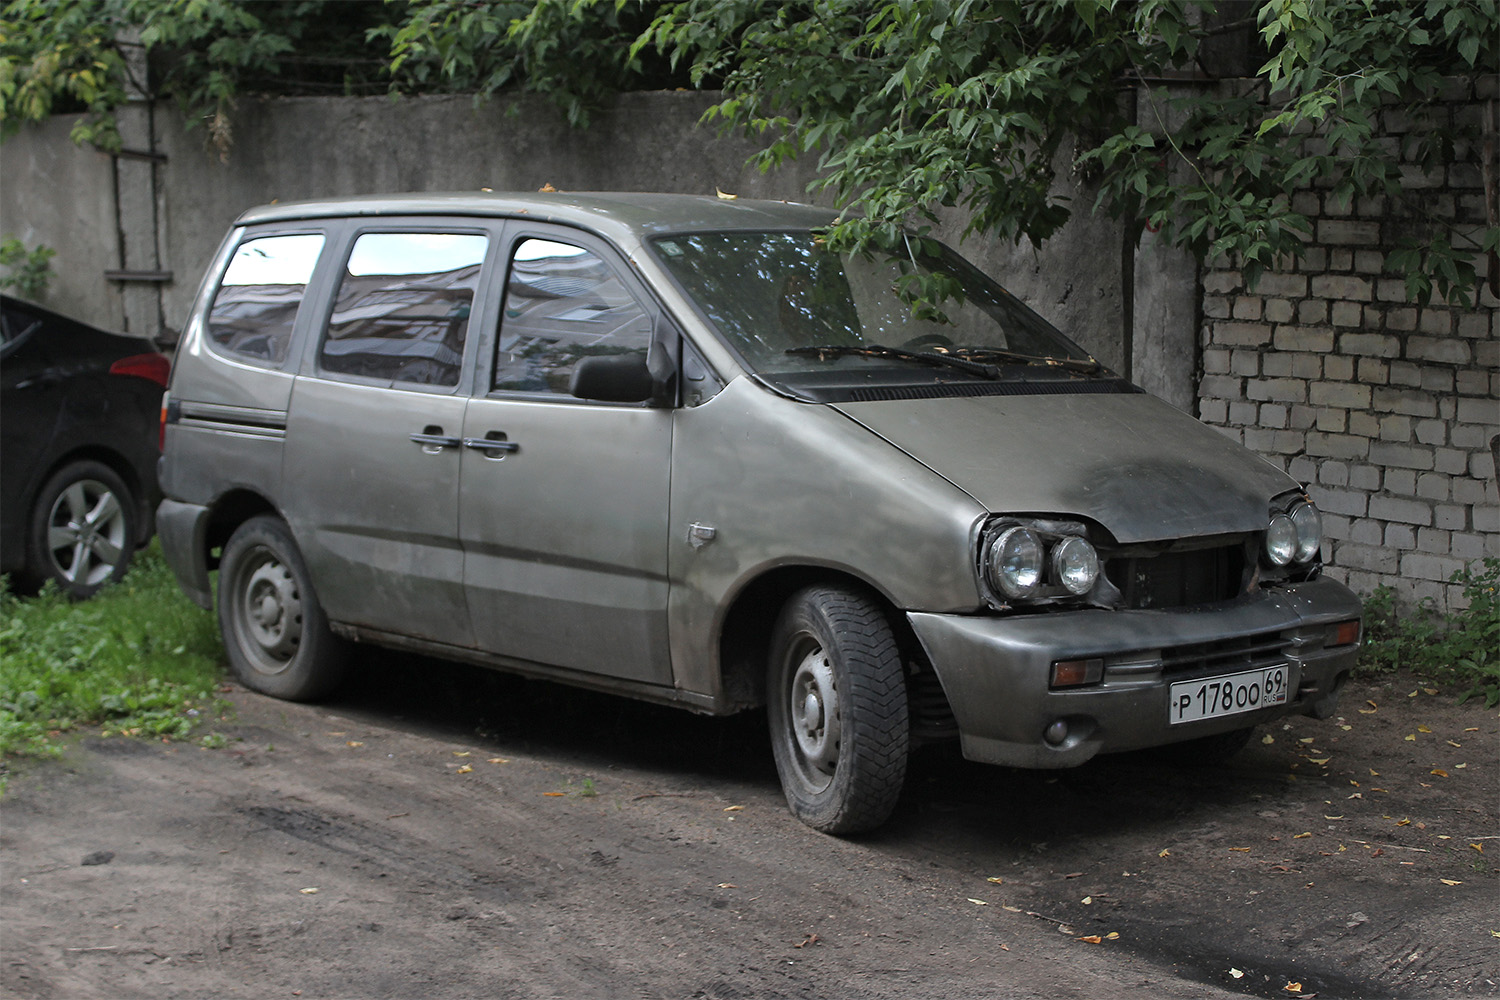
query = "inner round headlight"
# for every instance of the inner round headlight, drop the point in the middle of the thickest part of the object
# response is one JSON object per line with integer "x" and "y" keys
{"x": 1281, "y": 540}
{"x": 1309, "y": 525}
{"x": 1015, "y": 562}
{"x": 1075, "y": 565}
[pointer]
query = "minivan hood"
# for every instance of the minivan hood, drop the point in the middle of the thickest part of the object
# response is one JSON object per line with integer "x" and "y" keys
{"x": 1143, "y": 469}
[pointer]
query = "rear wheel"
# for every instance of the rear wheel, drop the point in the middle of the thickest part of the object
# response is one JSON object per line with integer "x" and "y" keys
{"x": 274, "y": 630}
{"x": 84, "y": 526}
{"x": 838, "y": 710}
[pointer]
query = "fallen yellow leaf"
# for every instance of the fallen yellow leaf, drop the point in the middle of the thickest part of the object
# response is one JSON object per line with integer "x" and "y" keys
{"x": 1164, "y": 853}
{"x": 554, "y": 795}
{"x": 1403, "y": 822}
{"x": 1367, "y": 711}
{"x": 1472, "y": 729}
{"x": 1332, "y": 817}
{"x": 1245, "y": 849}
{"x": 353, "y": 743}
{"x": 996, "y": 879}
{"x": 1430, "y": 690}
{"x": 1374, "y": 773}
{"x": 1423, "y": 729}
{"x": 499, "y": 760}
{"x": 1308, "y": 739}
{"x": 1371, "y": 703}
{"x": 1478, "y": 847}
{"x": 460, "y": 753}
{"x": 1013, "y": 909}
{"x": 733, "y": 809}
{"x": 723, "y": 196}
{"x": 978, "y": 902}
{"x": 1088, "y": 900}
{"x": 1318, "y": 760}
{"x": 547, "y": 188}
{"x": 727, "y": 885}
{"x": 1268, "y": 739}
{"x": 1091, "y": 939}
{"x": 1293, "y": 987}
{"x": 1411, "y": 737}
{"x": 1412, "y": 695}
{"x": 1301, "y": 836}
{"x": 1439, "y": 772}
{"x": 1357, "y": 795}
{"x": 465, "y": 769}
{"x": 1112, "y": 936}
{"x": 1449, "y": 881}
{"x": 1236, "y": 973}
{"x": 1455, "y": 745}
{"x": 309, "y": 891}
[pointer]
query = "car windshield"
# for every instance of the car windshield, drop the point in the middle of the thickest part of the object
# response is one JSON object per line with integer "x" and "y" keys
{"x": 789, "y": 305}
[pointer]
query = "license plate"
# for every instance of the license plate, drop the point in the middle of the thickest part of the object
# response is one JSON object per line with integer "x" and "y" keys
{"x": 1231, "y": 694}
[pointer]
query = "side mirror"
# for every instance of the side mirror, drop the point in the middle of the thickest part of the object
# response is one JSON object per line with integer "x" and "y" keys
{"x": 614, "y": 378}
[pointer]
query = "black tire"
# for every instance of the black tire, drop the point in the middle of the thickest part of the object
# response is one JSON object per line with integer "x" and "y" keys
{"x": 836, "y": 694}
{"x": 274, "y": 630}
{"x": 83, "y": 529}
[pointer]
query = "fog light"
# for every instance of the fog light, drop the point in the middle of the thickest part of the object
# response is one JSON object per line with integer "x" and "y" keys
{"x": 1071, "y": 673}
{"x": 1057, "y": 732}
{"x": 1342, "y": 634}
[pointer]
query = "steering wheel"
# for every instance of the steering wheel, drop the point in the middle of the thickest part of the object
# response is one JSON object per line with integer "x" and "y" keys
{"x": 928, "y": 341}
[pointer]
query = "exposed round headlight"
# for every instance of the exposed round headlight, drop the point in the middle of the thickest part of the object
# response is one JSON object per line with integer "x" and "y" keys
{"x": 1309, "y": 525}
{"x": 1281, "y": 540}
{"x": 1015, "y": 562}
{"x": 1075, "y": 565}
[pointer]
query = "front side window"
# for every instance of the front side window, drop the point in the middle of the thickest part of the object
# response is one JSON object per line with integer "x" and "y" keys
{"x": 562, "y": 303}
{"x": 257, "y": 301}
{"x": 402, "y": 311}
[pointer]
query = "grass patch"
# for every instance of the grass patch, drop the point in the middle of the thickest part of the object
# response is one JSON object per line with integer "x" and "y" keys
{"x": 139, "y": 658}
{"x": 1461, "y": 647}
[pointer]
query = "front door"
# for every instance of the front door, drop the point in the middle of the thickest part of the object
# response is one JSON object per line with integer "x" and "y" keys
{"x": 563, "y": 511}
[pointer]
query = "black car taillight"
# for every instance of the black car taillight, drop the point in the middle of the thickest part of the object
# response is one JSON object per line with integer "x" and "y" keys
{"x": 151, "y": 367}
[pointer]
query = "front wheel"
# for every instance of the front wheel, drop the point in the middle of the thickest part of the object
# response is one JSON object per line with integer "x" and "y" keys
{"x": 274, "y": 630}
{"x": 838, "y": 712}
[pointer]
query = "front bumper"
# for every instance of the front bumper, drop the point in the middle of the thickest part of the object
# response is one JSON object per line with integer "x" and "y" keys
{"x": 995, "y": 671}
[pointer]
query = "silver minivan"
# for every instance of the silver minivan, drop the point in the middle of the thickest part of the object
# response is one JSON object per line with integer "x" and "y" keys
{"x": 675, "y": 448}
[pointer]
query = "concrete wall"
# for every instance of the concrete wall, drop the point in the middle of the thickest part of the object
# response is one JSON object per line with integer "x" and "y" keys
{"x": 293, "y": 148}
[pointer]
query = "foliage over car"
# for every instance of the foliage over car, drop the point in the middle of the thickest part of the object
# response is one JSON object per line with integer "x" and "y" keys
{"x": 911, "y": 106}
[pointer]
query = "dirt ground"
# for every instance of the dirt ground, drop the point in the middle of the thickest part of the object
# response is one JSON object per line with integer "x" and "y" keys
{"x": 437, "y": 831}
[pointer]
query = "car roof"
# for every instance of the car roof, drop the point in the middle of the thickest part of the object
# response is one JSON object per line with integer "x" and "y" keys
{"x": 616, "y": 214}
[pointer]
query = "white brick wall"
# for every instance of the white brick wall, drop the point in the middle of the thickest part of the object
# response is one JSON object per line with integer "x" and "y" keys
{"x": 1388, "y": 411}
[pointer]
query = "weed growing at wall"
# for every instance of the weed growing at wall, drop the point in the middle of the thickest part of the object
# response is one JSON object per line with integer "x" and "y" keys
{"x": 1461, "y": 647}
{"x": 138, "y": 659}
{"x": 28, "y": 272}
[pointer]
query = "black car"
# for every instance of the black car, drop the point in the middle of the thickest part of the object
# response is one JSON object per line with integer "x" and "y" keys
{"x": 80, "y": 413}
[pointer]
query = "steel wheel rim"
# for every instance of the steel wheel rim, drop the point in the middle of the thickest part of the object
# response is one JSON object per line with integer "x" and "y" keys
{"x": 267, "y": 609}
{"x": 814, "y": 725}
{"x": 86, "y": 533}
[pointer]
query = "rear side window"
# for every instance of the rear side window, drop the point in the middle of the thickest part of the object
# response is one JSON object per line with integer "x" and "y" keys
{"x": 562, "y": 303}
{"x": 257, "y": 301}
{"x": 402, "y": 311}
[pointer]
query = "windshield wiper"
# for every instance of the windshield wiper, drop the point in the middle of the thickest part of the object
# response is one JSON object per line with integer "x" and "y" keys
{"x": 1089, "y": 367}
{"x": 826, "y": 351}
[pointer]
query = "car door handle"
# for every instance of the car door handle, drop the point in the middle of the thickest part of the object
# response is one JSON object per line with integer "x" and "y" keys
{"x": 492, "y": 445}
{"x": 436, "y": 440}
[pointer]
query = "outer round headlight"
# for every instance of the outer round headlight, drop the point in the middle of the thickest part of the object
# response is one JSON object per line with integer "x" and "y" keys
{"x": 1309, "y": 525}
{"x": 1075, "y": 565}
{"x": 1015, "y": 562}
{"x": 1281, "y": 540}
